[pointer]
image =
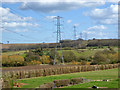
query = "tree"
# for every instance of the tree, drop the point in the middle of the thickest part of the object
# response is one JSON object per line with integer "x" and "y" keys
{"x": 38, "y": 51}
{"x": 30, "y": 56}
{"x": 69, "y": 56}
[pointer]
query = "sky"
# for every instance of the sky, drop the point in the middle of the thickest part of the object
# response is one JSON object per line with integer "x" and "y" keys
{"x": 34, "y": 22}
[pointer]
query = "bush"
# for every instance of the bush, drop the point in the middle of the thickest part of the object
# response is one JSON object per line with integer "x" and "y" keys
{"x": 30, "y": 56}
{"x": 74, "y": 62}
{"x": 45, "y": 59}
{"x": 52, "y": 54}
{"x": 69, "y": 56}
{"x": 105, "y": 57}
{"x": 81, "y": 58}
{"x": 52, "y": 62}
{"x": 113, "y": 58}
{"x": 84, "y": 63}
{"x": 47, "y": 85}
{"x": 64, "y": 82}
{"x": 100, "y": 58}
{"x": 76, "y": 81}
{"x": 13, "y": 60}
{"x": 38, "y": 51}
{"x": 34, "y": 62}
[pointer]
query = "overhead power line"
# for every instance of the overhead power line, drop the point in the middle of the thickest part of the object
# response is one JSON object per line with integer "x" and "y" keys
{"x": 28, "y": 37}
{"x": 15, "y": 12}
{"x": 58, "y": 39}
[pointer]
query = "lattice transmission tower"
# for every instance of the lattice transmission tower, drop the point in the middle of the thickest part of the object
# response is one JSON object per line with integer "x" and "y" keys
{"x": 58, "y": 39}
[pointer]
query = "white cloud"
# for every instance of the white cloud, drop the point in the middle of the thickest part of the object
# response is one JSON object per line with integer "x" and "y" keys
{"x": 107, "y": 15}
{"x": 95, "y": 31}
{"x": 18, "y": 24}
{"x": 99, "y": 27}
{"x": 8, "y": 16}
{"x": 13, "y": 1}
{"x": 53, "y": 6}
{"x": 50, "y": 17}
{"x": 12, "y": 20}
{"x": 69, "y": 21}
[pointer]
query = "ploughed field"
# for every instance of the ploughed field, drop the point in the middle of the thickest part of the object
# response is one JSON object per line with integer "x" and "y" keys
{"x": 34, "y": 67}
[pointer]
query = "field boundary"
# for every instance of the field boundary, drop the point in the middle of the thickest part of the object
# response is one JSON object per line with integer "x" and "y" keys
{"x": 9, "y": 77}
{"x": 55, "y": 71}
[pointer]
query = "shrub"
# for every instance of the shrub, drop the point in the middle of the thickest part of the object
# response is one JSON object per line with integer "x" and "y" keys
{"x": 13, "y": 60}
{"x": 76, "y": 81}
{"x": 74, "y": 62}
{"x": 30, "y": 56}
{"x": 64, "y": 82}
{"x": 47, "y": 85}
{"x": 7, "y": 84}
{"x": 34, "y": 62}
{"x": 38, "y": 51}
{"x": 46, "y": 72}
{"x": 84, "y": 63}
{"x": 52, "y": 54}
{"x": 45, "y": 59}
{"x": 82, "y": 58}
{"x": 113, "y": 58}
{"x": 5, "y": 60}
{"x": 69, "y": 56}
{"x": 100, "y": 58}
{"x": 105, "y": 57}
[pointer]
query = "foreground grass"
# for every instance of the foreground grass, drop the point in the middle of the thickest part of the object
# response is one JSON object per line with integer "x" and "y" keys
{"x": 94, "y": 75}
{"x": 109, "y": 84}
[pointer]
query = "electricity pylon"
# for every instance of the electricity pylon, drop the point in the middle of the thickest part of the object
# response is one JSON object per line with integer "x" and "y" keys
{"x": 58, "y": 39}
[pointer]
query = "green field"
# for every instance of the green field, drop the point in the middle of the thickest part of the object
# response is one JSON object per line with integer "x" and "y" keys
{"x": 93, "y": 75}
{"x": 104, "y": 84}
{"x": 78, "y": 52}
{"x": 14, "y": 52}
{"x": 83, "y": 52}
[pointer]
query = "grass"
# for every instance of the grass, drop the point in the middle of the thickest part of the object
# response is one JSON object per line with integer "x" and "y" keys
{"x": 14, "y": 52}
{"x": 84, "y": 53}
{"x": 94, "y": 75}
{"x": 78, "y": 53}
{"x": 109, "y": 84}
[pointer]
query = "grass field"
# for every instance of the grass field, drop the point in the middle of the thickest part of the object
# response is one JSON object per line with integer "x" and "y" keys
{"x": 104, "y": 84}
{"x": 14, "y": 52}
{"x": 94, "y": 75}
{"x": 78, "y": 53}
{"x": 83, "y": 52}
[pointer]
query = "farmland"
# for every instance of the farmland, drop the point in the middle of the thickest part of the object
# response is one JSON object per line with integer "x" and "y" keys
{"x": 34, "y": 67}
{"x": 59, "y": 44}
{"x": 94, "y": 75}
{"x": 14, "y": 52}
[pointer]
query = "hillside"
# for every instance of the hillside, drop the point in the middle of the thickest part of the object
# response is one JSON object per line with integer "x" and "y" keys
{"x": 65, "y": 43}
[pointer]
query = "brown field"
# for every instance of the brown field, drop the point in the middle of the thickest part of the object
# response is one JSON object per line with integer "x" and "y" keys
{"x": 23, "y": 68}
{"x": 6, "y": 46}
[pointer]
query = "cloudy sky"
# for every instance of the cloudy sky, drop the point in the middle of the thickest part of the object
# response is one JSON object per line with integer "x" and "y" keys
{"x": 33, "y": 22}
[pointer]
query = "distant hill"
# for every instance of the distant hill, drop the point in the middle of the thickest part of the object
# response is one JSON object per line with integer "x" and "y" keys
{"x": 65, "y": 43}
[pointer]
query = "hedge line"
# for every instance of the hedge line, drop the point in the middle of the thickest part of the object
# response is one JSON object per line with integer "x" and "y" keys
{"x": 54, "y": 71}
{"x": 64, "y": 82}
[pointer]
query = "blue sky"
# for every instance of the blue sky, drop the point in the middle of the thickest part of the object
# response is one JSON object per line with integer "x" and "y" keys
{"x": 32, "y": 22}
